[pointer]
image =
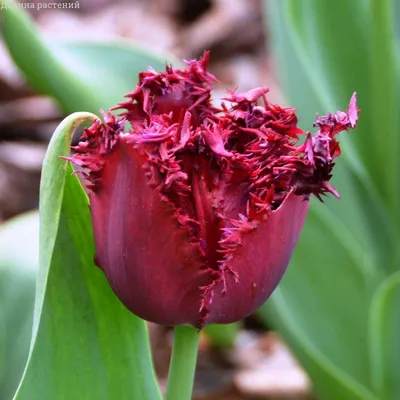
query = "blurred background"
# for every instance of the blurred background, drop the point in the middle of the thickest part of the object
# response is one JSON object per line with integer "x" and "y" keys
{"x": 183, "y": 28}
{"x": 331, "y": 329}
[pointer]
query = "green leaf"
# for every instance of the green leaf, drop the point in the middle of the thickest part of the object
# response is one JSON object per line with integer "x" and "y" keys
{"x": 19, "y": 260}
{"x": 384, "y": 338}
{"x": 85, "y": 344}
{"x": 317, "y": 78}
{"x": 385, "y": 101}
{"x": 351, "y": 47}
{"x": 79, "y": 75}
{"x": 305, "y": 92}
{"x": 325, "y": 53}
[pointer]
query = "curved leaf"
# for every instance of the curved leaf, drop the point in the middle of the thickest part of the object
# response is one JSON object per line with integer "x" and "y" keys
{"x": 85, "y": 344}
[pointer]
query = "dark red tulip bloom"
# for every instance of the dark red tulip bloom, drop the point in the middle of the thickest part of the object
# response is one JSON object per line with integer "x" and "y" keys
{"x": 196, "y": 210}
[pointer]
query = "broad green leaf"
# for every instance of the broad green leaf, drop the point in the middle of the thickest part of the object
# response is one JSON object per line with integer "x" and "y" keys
{"x": 81, "y": 76}
{"x": 351, "y": 47}
{"x": 384, "y": 338}
{"x": 385, "y": 100}
{"x": 305, "y": 81}
{"x": 309, "y": 98}
{"x": 347, "y": 247}
{"x": 19, "y": 260}
{"x": 334, "y": 246}
{"x": 85, "y": 344}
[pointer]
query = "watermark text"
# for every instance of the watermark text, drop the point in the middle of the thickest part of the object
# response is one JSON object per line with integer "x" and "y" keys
{"x": 40, "y": 6}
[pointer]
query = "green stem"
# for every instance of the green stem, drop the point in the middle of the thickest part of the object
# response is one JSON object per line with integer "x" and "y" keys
{"x": 183, "y": 363}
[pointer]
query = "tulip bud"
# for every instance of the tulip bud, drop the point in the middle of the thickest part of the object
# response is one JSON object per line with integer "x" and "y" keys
{"x": 195, "y": 209}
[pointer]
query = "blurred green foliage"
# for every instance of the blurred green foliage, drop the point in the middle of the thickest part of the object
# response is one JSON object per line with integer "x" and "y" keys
{"x": 336, "y": 305}
{"x": 19, "y": 259}
{"x": 80, "y": 76}
{"x": 222, "y": 336}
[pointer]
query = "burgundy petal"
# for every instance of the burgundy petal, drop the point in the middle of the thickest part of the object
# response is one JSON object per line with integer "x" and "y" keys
{"x": 258, "y": 263}
{"x": 147, "y": 256}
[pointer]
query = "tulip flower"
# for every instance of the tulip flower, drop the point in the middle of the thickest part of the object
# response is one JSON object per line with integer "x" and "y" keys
{"x": 196, "y": 209}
